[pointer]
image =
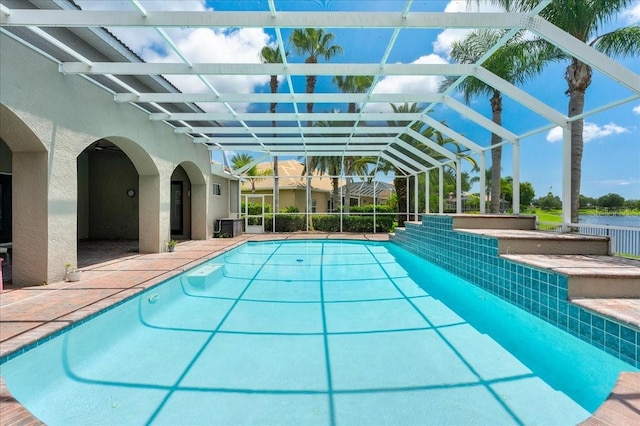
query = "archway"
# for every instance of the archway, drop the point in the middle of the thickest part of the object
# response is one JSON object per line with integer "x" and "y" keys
{"x": 24, "y": 165}
{"x": 188, "y": 202}
{"x": 107, "y": 204}
{"x": 118, "y": 195}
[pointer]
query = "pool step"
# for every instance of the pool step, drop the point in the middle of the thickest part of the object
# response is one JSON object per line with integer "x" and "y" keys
{"x": 198, "y": 277}
{"x": 546, "y": 243}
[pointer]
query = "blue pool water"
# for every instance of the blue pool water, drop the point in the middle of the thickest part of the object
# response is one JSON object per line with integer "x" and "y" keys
{"x": 313, "y": 332}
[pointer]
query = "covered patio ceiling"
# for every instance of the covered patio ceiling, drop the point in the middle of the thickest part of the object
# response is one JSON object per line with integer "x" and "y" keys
{"x": 81, "y": 42}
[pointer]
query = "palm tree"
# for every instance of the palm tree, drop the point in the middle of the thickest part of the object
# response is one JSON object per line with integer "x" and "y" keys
{"x": 351, "y": 84}
{"x": 242, "y": 159}
{"x": 332, "y": 165}
{"x": 270, "y": 55}
{"x": 313, "y": 42}
{"x": 583, "y": 19}
{"x": 515, "y": 62}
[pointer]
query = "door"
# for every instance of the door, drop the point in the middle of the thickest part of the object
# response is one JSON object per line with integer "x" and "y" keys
{"x": 5, "y": 208}
{"x": 177, "y": 219}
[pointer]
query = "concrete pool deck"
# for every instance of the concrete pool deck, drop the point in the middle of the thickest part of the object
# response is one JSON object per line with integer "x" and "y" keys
{"x": 24, "y": 318}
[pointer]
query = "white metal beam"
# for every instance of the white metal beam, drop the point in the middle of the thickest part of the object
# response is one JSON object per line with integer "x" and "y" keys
{"x": 222, "y": 19}
{"x": 302, "y": 141}
{"x": 405, "y": 159}
{"x": 162, "y": 68}
{"x": 371, "y": 130}
{"x": 282, "y": 116}
{"x": 452, "y": 134}
{"x": 480, "y": 119}
{"x": 520, "y": 96}
{"x": 278, "y": 97}
{"x": 416, "y": 152}
{"x": 585, "y": 53}
{"x": 431, "y": 144}
{"x": 399, "y": 164}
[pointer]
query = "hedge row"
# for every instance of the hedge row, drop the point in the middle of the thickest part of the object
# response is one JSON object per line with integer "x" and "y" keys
{"x": 329, "y": 223}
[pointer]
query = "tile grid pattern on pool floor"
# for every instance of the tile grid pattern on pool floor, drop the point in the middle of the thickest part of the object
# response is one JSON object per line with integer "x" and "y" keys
{"x": 542, "y": 293}
{"x": 353, "y": 331}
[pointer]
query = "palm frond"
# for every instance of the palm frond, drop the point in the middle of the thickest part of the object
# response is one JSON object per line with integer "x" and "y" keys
{"x": 620, "y": 42}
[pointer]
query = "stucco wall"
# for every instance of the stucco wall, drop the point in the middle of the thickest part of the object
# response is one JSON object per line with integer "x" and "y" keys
{"x": 66, "y": 114}
{"x": 83, "y": 196}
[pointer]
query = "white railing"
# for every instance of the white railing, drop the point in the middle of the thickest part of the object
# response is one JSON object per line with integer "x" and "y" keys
{"x": 625, "y": 240}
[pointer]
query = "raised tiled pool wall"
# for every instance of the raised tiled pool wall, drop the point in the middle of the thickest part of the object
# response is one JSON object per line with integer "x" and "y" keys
{"x": 538, "y": 291}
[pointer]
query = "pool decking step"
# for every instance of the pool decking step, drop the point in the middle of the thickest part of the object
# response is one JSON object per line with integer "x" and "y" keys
{"x": 622, "y": 407}
{"x": 590, "y": 276}
{"x": 495, "y": 221}
{"x": 515, "y": 241}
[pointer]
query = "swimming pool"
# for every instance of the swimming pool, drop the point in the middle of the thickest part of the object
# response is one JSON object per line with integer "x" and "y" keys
{"x": 313, "y": 332}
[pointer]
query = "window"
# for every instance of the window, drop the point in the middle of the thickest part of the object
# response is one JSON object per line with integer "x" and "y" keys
{"x": 313, "y": 206}
{"x": 217, "y": 190}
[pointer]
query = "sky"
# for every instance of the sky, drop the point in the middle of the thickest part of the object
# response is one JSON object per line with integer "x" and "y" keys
{"x": 611, "y": 158}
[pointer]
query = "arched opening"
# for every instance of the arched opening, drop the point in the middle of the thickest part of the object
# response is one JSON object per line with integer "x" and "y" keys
{"x": 108, "y": 203}
{"x": 23, "y": 171}
{"x": 188, "y": 203}
{"x": 118, "y": 198}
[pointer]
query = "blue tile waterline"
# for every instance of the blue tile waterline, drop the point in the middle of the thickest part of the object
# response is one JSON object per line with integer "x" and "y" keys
{"x": 541, "y": 292}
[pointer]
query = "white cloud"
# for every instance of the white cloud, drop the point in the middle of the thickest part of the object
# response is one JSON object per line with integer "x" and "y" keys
{"x": 408, "y": 83}
{"x": 199, "y": 45}
{"x": 442, "y": 45}
{"x": 554, "y": 135}
{"x": 636, "y": 109}
{"x": 591, "y": 132}
{"x": 631, "y": 15}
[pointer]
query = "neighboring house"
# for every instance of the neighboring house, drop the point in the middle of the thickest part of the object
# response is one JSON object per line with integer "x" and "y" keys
{"x": 292, "y": 188}
{"x": 362, "y": 193}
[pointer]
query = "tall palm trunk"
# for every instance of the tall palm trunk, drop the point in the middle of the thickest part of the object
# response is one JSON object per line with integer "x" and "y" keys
{"x": 311, "y": 87}
{"x": 335, "y": 197}
{"x": 496, "y": 153}
{"x": 347, "y": 189}
{"x": 276, "y": 189}
{"x": 400, "y": 184}
{"x": 578, "y": 76}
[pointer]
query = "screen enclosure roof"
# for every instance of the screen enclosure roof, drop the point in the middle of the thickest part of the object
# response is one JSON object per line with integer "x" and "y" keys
{"x": 82, "y": 42}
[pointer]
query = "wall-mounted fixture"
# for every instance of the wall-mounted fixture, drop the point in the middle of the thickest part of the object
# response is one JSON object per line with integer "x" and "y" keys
{"x": 131, "y": 192}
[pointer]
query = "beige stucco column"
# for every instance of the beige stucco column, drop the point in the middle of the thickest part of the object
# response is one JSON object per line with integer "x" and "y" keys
{"x": 199, "y": 230}
{"x": 63, "y": 205}
{"x": 149, "y": 219}
{"x": 30, "y": 226}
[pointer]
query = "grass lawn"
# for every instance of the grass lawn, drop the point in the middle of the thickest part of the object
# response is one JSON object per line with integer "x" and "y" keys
{"x": 548, "y": 215}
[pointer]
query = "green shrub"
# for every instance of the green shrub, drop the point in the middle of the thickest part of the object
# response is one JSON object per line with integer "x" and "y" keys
{"x": 328, "y": 223}
{"x": 255, "y": 208}
{"x": 365, "y": 223}
{"x": 285, "y": 223}
{"x": 290, "y": 209}
{"x": 380, "y": 208}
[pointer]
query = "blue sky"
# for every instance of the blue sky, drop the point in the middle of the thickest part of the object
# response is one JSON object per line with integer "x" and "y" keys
{"x": 611, "y": 159}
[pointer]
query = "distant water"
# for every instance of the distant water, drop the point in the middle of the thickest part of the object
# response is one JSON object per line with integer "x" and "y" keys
{"x": 611, "y": 220}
